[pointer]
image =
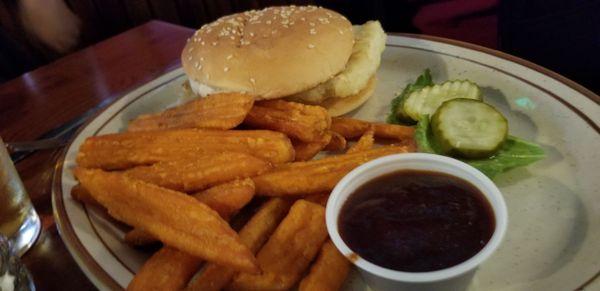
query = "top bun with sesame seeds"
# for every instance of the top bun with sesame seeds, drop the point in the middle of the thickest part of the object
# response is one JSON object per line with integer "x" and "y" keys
{"x": 271, "y": 53}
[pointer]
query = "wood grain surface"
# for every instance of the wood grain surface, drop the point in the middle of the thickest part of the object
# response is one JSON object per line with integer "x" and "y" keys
{"x": 51, "y": 95}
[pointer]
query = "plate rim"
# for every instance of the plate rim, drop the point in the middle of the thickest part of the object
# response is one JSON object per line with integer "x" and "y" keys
{"x": 102, "y": 279}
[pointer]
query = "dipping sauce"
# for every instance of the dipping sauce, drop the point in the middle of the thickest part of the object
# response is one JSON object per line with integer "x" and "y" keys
{"x": 416, "y": 221}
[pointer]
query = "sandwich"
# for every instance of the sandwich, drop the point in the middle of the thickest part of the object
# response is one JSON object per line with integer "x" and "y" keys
{"x": 306, "y": 54}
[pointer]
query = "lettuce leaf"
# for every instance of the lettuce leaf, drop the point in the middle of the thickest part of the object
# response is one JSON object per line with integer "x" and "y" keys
{"x": 515, "y": 152}
{"x": 396, "y": 115}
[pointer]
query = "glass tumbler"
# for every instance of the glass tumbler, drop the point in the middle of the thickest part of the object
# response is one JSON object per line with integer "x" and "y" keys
{"x": 18, "y": 220}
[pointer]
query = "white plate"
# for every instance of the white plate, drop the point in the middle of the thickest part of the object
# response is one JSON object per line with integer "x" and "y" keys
{"x": 553, "y": 238}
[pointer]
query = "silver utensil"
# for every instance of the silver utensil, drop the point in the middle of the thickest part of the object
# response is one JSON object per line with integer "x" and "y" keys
{"x": 54, "y": 138}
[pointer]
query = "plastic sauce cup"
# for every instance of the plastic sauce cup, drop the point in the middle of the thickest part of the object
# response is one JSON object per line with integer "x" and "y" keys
{"x": 457, "y": 277}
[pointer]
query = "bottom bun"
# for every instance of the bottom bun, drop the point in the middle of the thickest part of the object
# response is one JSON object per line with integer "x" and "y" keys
{"x": 341, "y": 106}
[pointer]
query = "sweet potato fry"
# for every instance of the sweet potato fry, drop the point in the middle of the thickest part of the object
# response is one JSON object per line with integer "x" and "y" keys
{"x": 301, "y": 178}
{"x": 365, "y": 142}
{"x": 179, "y": 267}
{"x": 213, "y": 277}
{"x": 308, "y": 150}
{"x": 167, "y": 269}
{"x": 352, "y": 128}
{"x": 328, "y": 272}
{"x": 175, "y": 218}
{"x": 289, "y": 251}
{"x": 226, "y": 199}
{"x": 306, "y": 123}
{"x": 126, "y": 150}
{"x": 139, "y": 237}
{"x": 171, "y": 269}
{"x": 337, "y": 143}
{"x": 198, "y": 173}
{"x": 217, "y": 111}
{"x": 318, "y": 198}
{"x": 82, "y": 195}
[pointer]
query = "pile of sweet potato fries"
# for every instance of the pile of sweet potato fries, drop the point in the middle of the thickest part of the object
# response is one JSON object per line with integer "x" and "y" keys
{"x": 179, "y": 176}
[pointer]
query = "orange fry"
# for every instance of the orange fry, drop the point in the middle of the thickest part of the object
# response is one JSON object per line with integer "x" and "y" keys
{"x": 337, "y": 143}
{"x": 365, "y": 142}
{"x": 200, "y": 172}
{"x": 217, "y": 111}
{"x": 308, "y": 150}
{"x": 289, "y": 251}
{"x": 306, "y": 123}
{"x": 318, "y": 198}
{"x": 175, "y": 218}
{"x": 316, "y": 176}
{"x": 352, "y": 128}
{"x": 167, "y": 269}
{"x": 226, "y": 199}
{"x": 213, "y": 277}
{"x": 139, "y": 237}
{"x": 80, "y": 194}
{"x": 328, "y": 272}
{"x": 125, "y": 150}
{"x": 171, "y": 269}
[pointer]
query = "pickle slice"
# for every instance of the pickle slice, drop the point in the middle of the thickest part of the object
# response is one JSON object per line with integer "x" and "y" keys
{"x": 427, "y": 100}
{"x": 469, "y": 128}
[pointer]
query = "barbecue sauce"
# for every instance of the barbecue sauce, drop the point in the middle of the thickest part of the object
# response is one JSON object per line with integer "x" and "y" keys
{"x": 416, "y": 221}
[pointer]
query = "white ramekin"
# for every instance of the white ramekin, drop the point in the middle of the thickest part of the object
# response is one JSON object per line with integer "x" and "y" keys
{"x": 454, "y": 278}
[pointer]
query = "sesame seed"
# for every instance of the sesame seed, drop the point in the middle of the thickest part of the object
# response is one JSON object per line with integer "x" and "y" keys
{"x": 196, "y": 64}
{"x": 189, "y": 58}
{"x": 311, "y": 46}
{"x": 274, "y": 31}
{"x": 201, "y": 59}
{"x": 268, "y": 22}
{"x": 232, "y": 37}
{"x": 311, "y": 23}
{"x": 313, "y": 31}
{"x": 207, "y": 76}
{"x": 190, "y": 49}
{"x": 226, "y": 69}
{"x": 252, "y": 34}
{"x": 229, "y": 57}
{"x": 202, "y": 43}
{"x": 214, "y": 43}
{"x": 303, "y": 18}
{"x": 341, "y": 31}
{"x": 252, "y": 81}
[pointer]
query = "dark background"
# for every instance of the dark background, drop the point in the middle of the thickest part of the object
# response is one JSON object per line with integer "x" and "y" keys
{"x": 562, "y": 35}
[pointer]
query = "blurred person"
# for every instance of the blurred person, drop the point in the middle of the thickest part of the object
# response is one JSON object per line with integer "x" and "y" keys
{"x": 47, "y": 22}
{"x": 52, "y": 22}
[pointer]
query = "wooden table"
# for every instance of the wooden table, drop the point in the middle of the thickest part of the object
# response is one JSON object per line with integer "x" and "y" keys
{"x": 51, "y": 95}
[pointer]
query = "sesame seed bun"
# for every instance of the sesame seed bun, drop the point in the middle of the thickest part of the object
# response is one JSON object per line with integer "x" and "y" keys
{"x": 271, "y": 53}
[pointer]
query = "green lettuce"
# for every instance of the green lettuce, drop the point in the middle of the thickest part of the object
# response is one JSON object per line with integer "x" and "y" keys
{"x": 515, "y": 152}
{"x": 396, "y": 115}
